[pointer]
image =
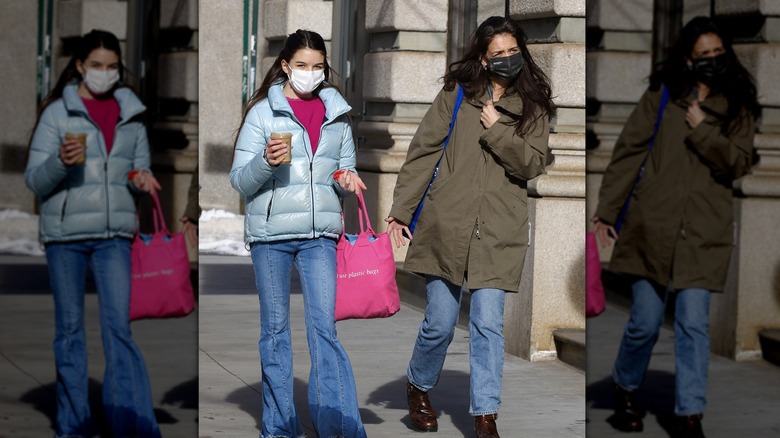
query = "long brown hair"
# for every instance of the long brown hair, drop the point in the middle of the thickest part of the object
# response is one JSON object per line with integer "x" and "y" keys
{"x": 300, "y": 39}
{"x": 94, "y": 39}
{"x": 737, "y": 84}
{"x": 532, "y": 84}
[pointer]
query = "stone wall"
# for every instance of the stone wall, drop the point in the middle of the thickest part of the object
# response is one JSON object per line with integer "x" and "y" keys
{"x": 18, "y": 25}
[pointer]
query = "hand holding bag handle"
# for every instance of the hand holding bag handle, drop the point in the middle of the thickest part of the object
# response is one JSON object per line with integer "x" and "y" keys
{"x": 160, "y": 269}
{"x": 365, "y": 273}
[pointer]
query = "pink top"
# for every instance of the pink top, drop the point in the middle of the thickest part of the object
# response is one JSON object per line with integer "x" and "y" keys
{"x": 311, "y": 113}
{"x": 105, "y": 113}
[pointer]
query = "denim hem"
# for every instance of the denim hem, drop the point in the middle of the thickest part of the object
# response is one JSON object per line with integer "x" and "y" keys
{"x": 416, "y": 386}
{"x": 282, "y": 436}
{"x": 476, "y": 414}
{"x": 687, "y": 414}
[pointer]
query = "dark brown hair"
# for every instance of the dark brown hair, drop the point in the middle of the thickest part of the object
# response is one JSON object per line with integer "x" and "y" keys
{"x": 300, "y": 39}
{"x": 531, "y": 84}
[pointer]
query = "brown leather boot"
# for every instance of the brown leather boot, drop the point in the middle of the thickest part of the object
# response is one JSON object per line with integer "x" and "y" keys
{"x": 485, "y": 425}
{"x": 628, "y": 417}
{"x": 689, "y": 426}
{"x": 421, "y": 413}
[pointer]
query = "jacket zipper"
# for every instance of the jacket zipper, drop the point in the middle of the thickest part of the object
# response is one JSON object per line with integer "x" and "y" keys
{"x": 311, "y": 186}
{"x": 478, "y": 235}
{"x": 271, "y": 202}
{"x": 105, "y": 186}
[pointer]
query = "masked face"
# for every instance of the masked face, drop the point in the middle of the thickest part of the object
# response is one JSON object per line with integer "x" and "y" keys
{"x": 306, "y": 81}
{"x": 712, "y": 68}
{"x": 507, "y": 67}
{"x": 709, "y": 61}
{"x": 100, "y": 81}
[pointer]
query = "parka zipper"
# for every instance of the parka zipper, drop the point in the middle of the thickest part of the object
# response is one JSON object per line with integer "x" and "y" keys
{"x": 478, "y": 235}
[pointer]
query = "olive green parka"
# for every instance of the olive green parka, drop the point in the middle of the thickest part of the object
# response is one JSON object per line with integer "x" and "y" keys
{"x": 474, "y": 221}
{"x": 679, "y": 228}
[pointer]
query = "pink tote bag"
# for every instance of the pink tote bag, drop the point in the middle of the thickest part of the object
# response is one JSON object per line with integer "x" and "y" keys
{"x": 595, "y": 302}
{"x": 161, "y": 285}
{"x": 365, "y": 268}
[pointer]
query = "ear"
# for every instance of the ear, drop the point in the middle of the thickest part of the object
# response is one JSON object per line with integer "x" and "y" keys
{"x": 484, "y": 61}
{"x": 80, "y": 67}
{"x": 285, "y": 67}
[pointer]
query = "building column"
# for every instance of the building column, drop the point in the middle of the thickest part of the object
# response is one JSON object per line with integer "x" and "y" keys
{"x": 751, "y": 301}
{"x": 552, "y": 290}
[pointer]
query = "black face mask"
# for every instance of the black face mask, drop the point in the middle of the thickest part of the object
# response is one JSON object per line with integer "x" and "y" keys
{"x": 507, "y": 67}
{"x": 712, "y": 68}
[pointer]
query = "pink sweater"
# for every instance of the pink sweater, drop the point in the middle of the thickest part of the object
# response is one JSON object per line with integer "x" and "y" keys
{"x": 311, "y": 113}
{"x": 106, "y": 114}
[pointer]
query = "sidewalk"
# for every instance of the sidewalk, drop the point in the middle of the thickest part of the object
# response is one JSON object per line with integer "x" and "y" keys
{"x": 540, "y": 399}
{"x": 27, "y": 372}
{"x": 743, "y": 397}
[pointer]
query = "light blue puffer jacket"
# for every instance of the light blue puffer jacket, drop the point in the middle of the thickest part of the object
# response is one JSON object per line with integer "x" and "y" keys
{"x": 298, "y": 200}
{"x": 91, "y": 200}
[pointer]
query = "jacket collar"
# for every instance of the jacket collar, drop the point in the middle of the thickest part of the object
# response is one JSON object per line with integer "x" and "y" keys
{"x": 335, "y": 105}
{"x": 510, "y": 101}
{"x": 129, "y": 105}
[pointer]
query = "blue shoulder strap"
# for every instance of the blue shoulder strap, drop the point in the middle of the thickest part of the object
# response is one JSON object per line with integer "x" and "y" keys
{"x": 416, "y": 215}
{"x": 624, "y": 209}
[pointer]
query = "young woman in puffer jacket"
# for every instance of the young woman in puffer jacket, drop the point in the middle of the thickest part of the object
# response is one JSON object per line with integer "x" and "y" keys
{"x": 293, "y": 215}
{"x": 88, "y": 219}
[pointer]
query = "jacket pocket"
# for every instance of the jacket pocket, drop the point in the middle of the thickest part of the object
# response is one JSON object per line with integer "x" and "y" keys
{"x": 64, "y": 206}
{"x": 270, "y": 201}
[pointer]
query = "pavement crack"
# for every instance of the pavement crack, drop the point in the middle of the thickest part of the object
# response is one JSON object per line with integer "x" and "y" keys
{"x": 230, "y": 372}
{"x": 22, "y": 370}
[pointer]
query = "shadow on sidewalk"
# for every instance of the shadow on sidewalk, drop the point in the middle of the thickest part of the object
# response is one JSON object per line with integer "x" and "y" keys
{"x": 450, "y": 398}
{"x": 184, "y": 395}
{"x": 655, "y": 395}
{"x": 43, "y": 399}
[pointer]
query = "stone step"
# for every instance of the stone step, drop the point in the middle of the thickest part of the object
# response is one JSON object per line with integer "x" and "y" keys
{"x": 570, "y": 347}
{"x": 770, "y": 345}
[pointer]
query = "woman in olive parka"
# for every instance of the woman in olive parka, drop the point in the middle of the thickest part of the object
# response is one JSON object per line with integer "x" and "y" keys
{"x": 677, "y": 234}
{"x": 474, "y": 225}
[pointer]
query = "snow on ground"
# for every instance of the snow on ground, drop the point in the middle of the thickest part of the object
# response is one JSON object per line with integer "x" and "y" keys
{"x": 19, "y": 233}
{"x": 221, "y": 233}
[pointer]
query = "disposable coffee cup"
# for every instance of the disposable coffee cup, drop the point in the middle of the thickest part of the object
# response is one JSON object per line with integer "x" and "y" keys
{"x": 286, "y": 138}
{"x": 80, "y": 137}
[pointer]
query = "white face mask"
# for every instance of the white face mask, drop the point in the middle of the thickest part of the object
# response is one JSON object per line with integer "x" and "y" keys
{"x": 305, "y": 81}
{"x": 100, "y": 81}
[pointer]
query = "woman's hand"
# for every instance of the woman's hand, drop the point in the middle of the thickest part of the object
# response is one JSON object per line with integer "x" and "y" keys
{"x": 695, "y": 115}
{"x": 490, "y": 115}
{"x": 351, "y": 182}
{"x": 145, "y": 182}
{"x": 396, "y": 229}
{"x": 275, "y": 151}
{"x": 604, "y": 232}
{"x": 190, "y": 231}
{"x": 70, "y": 151}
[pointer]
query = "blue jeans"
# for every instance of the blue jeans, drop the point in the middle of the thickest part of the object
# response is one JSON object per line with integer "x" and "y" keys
{"x": 691, "y": 345}
{"x": 332, "y": 393}
{"x": 127, "y": 398}
{"x": 486, "y": 342}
